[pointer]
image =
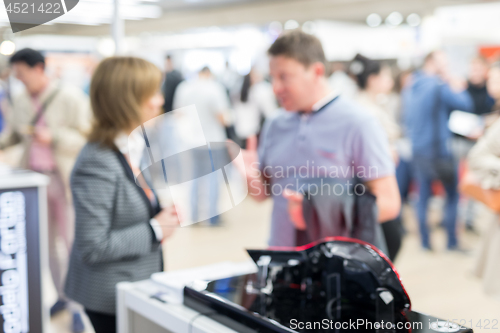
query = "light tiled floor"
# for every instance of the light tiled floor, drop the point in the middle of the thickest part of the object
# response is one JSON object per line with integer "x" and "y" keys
{"x": 438, "y": 283}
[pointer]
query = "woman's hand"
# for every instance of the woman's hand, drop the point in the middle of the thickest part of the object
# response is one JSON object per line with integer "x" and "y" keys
{"x": 168, "y": 221}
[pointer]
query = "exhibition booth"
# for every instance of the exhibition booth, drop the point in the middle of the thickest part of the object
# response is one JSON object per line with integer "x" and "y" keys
{"x": 335, "y": 284}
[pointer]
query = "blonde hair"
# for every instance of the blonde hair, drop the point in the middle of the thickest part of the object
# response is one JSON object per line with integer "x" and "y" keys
{"x": 119, "y": 87}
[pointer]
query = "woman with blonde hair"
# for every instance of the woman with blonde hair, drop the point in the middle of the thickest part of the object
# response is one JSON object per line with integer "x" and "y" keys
{"x": 119, "y": 225}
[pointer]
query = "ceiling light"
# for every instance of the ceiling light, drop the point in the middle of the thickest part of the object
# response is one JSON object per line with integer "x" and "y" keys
{"x": 309, "y": 27}
{"x": 394, "y": 19}
{"x": 291, "y": 24}
{"x": 275, "y": 28}
{"x": 106, "y": 47}
{"x": 373, "y": 20}
{"x": 413, "y": 20}
{"x": 7, "y": 47}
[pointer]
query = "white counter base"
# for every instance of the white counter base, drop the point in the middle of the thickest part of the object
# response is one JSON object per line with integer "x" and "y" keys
{"x": 137, "y": 312}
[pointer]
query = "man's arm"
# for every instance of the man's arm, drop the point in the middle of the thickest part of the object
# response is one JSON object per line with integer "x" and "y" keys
{"x": 456, "y": 98}
{"x": 388, "y": 199}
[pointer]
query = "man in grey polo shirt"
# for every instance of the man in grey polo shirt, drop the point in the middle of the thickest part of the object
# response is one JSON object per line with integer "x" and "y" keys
{"x": 320, "y": 134}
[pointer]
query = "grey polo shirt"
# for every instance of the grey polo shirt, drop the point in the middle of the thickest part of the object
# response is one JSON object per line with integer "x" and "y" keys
{"x": 341, "y": 140}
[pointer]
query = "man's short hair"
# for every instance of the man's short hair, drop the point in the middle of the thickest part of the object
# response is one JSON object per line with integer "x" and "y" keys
{"x": 29, "y": 56}
{"x": 205, "y": 70}
{"x": 298, "y": 45}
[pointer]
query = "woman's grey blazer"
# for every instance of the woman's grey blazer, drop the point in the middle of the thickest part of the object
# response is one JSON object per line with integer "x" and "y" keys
{"x": 114, "y": 241}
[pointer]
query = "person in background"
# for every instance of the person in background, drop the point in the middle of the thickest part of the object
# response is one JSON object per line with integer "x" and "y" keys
{"x": 427, "y": 103}
{"x": 318, "y": 127}
{"x": 50, "y": 121}
{"x": 172, "y": 80}
{"x": 375, "y": 86}
{"x": 476, "y": 86}
{"x": 5, "y": 99}
{"x": 119, "y": 225}
{"x": 212, "y": 105}
{"x": 256, "y": 103}
{"x": 483, "y": 104}
{"x": 231, "y": 80}
{"x": 484, "y": 163}
{"x": 404, "y": 170}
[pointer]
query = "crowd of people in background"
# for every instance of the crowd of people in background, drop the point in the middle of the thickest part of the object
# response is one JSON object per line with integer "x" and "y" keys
{"x": 362, "y": 113}
{"x": 412, "y": 106}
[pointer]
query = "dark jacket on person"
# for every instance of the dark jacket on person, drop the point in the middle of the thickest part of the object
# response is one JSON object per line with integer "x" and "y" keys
{"x": 114, "y": 241}
{"x": 483, "y": 102}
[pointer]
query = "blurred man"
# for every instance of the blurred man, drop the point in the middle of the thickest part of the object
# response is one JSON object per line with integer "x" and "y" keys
{"x": 483, "y": 104}
{"x": 212, "y": 104}
{"x": 318, "y": 129}
{"x": 476, "y": 86}
{"x": 427, "y": 104}
{"x": 172, "y": 79}
{"x": 50, "y": 121}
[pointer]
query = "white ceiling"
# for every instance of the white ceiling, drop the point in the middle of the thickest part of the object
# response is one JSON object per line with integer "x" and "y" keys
{"x": 189, "y": 4}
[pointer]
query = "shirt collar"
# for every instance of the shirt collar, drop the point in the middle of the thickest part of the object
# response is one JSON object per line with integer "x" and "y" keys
{"x": 324, "y": 101}
{"x": 132, "y": 146}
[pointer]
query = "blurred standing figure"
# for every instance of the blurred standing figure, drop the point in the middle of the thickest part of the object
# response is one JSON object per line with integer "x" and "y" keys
{"x": 316, "y": 127}
{"x": 51, "y": 121}
{"x": 483, "y": 104}
{"x": 230, "y": 79}
{"x": 172, "y": 80}
{"x": 376, "y": 83}
{"x": 212, "y": 105}
{"x": 119, "y": 225}
{"x": 4, "y": 90}
{"x": 478, "y": 76}
{"x": 256, "y": 103}
{"x": 427, "y": 104}
{"x": 375, "y": 86}
{"x": 484, "y": 162}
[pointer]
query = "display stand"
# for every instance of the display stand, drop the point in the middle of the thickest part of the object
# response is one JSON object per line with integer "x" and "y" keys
{"x": 23, "y": 251}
